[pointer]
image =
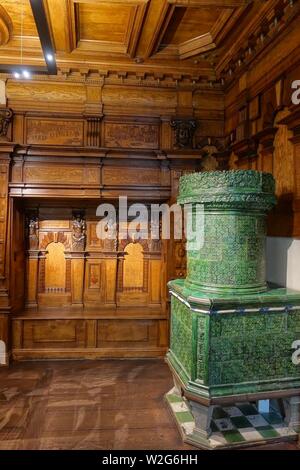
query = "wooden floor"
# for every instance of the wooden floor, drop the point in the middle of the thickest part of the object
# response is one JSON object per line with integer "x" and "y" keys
{"x": 88, "y": 405}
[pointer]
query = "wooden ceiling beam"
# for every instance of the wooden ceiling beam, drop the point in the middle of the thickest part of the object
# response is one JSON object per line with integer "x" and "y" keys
{"x": 157, "y": 20}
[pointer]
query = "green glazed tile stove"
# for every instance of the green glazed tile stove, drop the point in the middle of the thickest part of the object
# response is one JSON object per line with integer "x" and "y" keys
{"x": 232, "y": 334}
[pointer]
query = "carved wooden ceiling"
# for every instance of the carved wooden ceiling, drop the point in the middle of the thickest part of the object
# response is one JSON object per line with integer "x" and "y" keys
{"x": 178, "y": 38}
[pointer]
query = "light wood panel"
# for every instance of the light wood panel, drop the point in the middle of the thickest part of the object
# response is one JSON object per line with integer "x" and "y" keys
{"x": 55, "y": 270}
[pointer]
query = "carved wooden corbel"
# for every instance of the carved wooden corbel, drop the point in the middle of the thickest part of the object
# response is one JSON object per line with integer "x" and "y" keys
{"x": 184, "y": 132}
{"x": 6, "y": 116}
{"x": 213, "y": 153}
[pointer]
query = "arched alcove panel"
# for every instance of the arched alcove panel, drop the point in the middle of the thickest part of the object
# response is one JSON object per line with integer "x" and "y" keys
{"x": 55, "y": 268}
{"x": 133, "y": 272}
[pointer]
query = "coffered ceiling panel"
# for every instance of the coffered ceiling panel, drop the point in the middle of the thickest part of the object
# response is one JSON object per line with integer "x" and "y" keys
{"x": 188, "y": 23}
{"x": 177, "y": 38}
{"x": 104, "y": 22}
{"x": 111, "y": 27}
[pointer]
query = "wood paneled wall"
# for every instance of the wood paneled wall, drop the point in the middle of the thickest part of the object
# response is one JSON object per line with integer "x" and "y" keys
{"x": 77, "y": 138}
{"x": 73, "y": 143}
{"x": 262, "y": 125}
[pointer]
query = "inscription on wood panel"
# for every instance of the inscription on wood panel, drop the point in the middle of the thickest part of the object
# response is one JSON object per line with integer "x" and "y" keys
{"x": 132, "y": 176}
{"x": 52, "y": 132}
{"x": 131, "y": 135}
{"x": 53, "y": 174}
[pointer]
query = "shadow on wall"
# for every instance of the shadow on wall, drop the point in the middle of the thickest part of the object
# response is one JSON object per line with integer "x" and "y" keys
{"x": 2, "y": 352}
{"x": 283, "y": 261}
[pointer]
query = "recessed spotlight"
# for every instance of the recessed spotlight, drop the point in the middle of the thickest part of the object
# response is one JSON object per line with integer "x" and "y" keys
{"x": 26, "y": 74}
{"x": 49, "y": 57}
{"x": 17, "y": 75}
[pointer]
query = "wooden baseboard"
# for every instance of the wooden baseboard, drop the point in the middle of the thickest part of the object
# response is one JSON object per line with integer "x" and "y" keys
{"x": 84, "y": 353}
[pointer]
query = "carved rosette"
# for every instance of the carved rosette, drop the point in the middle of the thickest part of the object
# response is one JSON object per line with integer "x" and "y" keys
{"x": 233, "y": 205}
{"x": 184, "y": 130}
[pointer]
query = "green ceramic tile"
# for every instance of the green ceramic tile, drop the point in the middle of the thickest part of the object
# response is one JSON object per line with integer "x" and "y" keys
{"x": 234, "y": 352}
{"x": 219, "y": 413}
{"x": 241, "y": 422}
{"x": 233, "y": 436}
{"x": 267, "y": 432}
{"x": 184, "y": 416}
{"x": 248, "y": 409}
{"x": 272, "y": 418}
{"x": 173, "y": 398}
{"x": 214, "y": 427}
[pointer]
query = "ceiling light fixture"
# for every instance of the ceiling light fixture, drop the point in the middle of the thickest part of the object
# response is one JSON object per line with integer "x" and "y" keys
{"x": 26, "y": 74}
{"x": 26, "y": 71}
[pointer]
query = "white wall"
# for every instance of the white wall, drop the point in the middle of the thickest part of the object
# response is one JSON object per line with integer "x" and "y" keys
{"x": 283, "y": 261}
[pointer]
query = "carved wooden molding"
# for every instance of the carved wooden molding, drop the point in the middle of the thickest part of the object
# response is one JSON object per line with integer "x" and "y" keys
{"x": 260, "y": 33}
{"x": 56, "y": 237}
{"x": 146, "y": 79}
{"x": 41, "y": 275}
{"x": 123, "y": 243}
{"x": 93, "y": 131}
{"x": 68, "y": 275}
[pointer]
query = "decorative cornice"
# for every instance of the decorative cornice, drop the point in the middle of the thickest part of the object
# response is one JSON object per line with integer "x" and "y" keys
{"x": 146, "y": 80}
{"x": 273, "y": 22}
